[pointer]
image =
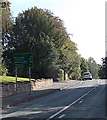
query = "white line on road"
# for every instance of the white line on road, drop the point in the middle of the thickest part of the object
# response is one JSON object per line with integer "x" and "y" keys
{"x": 71, "y": 104}
{"x": 80, "y": 83}
{"x": 61, "y": 116}
{"x": 98, "y": 81}
{"x": 81, "y": 101}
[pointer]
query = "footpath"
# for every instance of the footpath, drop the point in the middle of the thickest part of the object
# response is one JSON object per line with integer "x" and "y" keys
{"x": 11, "y": 101}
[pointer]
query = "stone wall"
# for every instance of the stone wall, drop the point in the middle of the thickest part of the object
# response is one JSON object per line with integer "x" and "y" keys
{"x": 10, "y": 88}
{"x": 37, "y": 84}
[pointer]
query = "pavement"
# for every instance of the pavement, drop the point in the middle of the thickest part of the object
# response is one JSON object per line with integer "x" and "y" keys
{"x": 15, "y": 100}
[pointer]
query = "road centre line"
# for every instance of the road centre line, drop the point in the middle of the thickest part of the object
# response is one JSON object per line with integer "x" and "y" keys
{"x": 54, "y": 115}
{"x": 61, "y": 116}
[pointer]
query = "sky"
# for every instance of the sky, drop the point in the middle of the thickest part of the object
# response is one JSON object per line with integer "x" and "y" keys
{"x": 85, "y": 19}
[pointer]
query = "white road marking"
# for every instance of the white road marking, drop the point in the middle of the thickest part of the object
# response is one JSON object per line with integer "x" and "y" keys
{"x": 71, "y": 104}
{"x": 80, "y": 83}
{"x": 98, "y": 81}
{"x": 81, "y": 101}
{"x": 61, "y": 116}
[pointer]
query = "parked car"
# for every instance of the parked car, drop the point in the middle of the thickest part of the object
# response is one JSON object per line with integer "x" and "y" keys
{"x": 87, "y": 75}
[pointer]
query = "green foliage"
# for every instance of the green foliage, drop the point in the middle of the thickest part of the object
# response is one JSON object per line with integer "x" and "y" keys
{"x": 45, "y": 59}
{"x": 41, "y": 33}
{"x": 3, "y": 70}
{"x": 75, "y": 71}
{"x": 5, "y": 25}
{"x": 6, "y": 15}
{"x": 1, "y": 51}
{"x": 83, "y": 66}
{"x": 93, "y": 67}
{"x": 6, "y": 21}
{"x": 103, "y": 69}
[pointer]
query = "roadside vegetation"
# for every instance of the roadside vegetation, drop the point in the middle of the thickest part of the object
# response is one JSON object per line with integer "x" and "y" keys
{"x": 40, "y": 32}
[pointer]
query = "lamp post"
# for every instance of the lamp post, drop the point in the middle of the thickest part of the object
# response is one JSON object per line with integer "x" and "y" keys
{"x": 106, "y": 29}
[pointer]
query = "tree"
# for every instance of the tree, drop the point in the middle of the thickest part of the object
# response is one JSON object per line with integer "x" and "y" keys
{"x": 6, "y": 20}
{"x": 69, "y": 59}
{"x": 40, "y": 32}
{"x": 1, "y": 51}
{"x": 93, "y": 67}
{"x": 103, "y": 69}
{"x": 83, "y": 66}
{"x": 5, "y": 25}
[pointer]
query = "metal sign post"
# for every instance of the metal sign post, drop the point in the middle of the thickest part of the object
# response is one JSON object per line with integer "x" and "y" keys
{"x": 16, "y": 80}
{"x": 30, "y": 79}
{"x": 23, "y": 60}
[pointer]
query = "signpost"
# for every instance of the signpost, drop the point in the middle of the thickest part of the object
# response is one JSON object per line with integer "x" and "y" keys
{"x": 23, "y": 60}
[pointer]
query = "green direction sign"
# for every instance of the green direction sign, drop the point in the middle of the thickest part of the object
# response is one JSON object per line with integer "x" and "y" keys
{"x": 23, "y": 60}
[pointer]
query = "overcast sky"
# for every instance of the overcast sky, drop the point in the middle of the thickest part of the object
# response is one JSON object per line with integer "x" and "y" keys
{"x": 85, "y": 19}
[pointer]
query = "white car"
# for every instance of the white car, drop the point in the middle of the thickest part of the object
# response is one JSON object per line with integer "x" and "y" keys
{"x": 87, "y": 75}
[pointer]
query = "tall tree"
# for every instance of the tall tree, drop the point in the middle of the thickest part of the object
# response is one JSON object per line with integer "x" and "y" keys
{"x": 103, "y": 69}
{"x": 1, "y": 49}
{"x": 5, "y": 22}
{"x": 6, "y": 15}
{"x": 75, "y": 72}
{"x": 105, "y": 66}
{"x": 83, "y": 66}
{"x": 93, "y": 67}
{"x": 40, "y": 32}
{"x": 68, "y": 56}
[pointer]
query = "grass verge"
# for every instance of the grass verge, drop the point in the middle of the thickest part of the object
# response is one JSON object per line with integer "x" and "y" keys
{"x": 12, "y": 79}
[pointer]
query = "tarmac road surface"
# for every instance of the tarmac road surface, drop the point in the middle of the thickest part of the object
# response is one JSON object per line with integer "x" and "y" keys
{"x": 85, "y": 100}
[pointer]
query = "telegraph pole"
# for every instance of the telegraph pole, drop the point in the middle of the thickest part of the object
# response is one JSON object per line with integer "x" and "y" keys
{"x": 106, "y": 29}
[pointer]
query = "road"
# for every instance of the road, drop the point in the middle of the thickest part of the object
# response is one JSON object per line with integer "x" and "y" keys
{"x": 83, "y": 100}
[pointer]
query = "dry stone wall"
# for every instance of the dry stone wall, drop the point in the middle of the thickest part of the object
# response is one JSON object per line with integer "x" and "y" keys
{"x": 41, "y": 83}
{"x": 10, "y": 88}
